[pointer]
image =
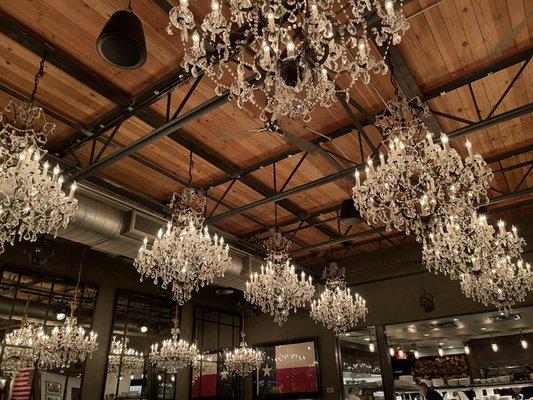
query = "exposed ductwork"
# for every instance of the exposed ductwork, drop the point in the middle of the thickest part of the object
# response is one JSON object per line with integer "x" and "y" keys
{"x": 117, "y": 230}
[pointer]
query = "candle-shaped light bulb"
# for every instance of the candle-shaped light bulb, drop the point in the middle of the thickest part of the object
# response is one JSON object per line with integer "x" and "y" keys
{"x": 381, "y": 158}
{"x": 429, "y": 138}
{"x": 357, "y": 178}
{"x": 46, "y": 166}
{"x": 270, "y": 17}
{"x": 160, "y": 233}
{"x": 468, "y": 146}
{"x": 56, "y": 173}
{"x": 389, "y": 6}
{"x": 445, "y": 142}
{"x": 501, "y": 226}
{"x": 214, "y": 5}
{"x": 60, "y": 182}
{"x": 195, "y": 40}
{"x": 290, "y": 48}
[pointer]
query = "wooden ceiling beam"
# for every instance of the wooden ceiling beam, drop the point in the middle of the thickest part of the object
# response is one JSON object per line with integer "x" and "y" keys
{"x": 508, "y": 115}
{"x": 430, "y": 94}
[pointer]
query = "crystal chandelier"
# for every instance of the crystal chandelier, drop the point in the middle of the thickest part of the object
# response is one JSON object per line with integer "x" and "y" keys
{"x": 174, "y": 353}
{"x": 123, "y": 358}
{"x": 67, "y": 344}
{"x": 20, "y": 347}
{"x": 278, "y": 289}
{"x": 487, "y": 261}
{"x": 185, "y": 257}
{"x": 295, "y": 51}
{"x": 243, "y": 360}
{"x": 337, "y": 309}
{"x": 32, "y": 202}
{"x": 419, "y": 181}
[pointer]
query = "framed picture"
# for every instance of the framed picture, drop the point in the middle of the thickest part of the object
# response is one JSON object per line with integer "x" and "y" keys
{"x": 53, "y": 388}
{"x": 291, "y": 370}
{"x": 52, "y": 397}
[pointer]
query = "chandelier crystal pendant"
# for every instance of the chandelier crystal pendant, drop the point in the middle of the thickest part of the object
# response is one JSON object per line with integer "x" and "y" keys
{"x": 243, "y": 360}
{"x": 174, "y": 354}
{"x": 337, "y": 309}
{"x": 278, "y": 289}
{"x": 285, "y": 57}
{"x": 123, "y": 359}
{"x": 419, "y": 181}
{"x": 32, "y": 201}
{"x": 68, "y": 344}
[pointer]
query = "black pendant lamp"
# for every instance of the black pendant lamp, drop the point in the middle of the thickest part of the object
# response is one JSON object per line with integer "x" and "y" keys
{"x": 121, "y": 43}
{"x": 349, "y": 215}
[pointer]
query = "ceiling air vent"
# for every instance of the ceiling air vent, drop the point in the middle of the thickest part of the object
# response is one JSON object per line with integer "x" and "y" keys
{"x": 138, "y": 225}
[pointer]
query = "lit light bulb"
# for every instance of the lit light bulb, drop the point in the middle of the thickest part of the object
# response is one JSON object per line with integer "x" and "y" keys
{"x": 391, "y": 351}
{"x": 60, "y": 316}
{"x": 467, "y": 349}
{"x": 144, "y": 329}
{"x": 371, "y": 347}
{"x": 441, "y": 351}
{"x": 523, "y": 341}
{"x": 494, "y": 345}
{"x": 416, "y": 354}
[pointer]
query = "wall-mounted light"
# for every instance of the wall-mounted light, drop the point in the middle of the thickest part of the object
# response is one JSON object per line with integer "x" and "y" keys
{"x": 494, "y": 345}
{"x": 523, "y": 341}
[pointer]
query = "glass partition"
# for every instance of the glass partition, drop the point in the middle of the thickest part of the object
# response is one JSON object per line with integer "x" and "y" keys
{"x": 214, "y": 331}
{"x": 138, "y": 322}
{"x": 45, "y": 300}
{"x": 360, "y": 365}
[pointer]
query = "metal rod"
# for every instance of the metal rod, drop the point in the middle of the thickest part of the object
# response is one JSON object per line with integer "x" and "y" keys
{"x": 508, "y": 88}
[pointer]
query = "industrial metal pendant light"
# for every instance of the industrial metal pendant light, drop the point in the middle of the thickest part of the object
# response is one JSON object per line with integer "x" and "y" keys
{"x": 349, "y": 215}
{"x": 121, "y": 43}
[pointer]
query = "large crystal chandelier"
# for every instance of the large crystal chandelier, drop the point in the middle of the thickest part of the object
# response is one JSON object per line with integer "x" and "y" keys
{"x": 32, "y": 201}
{"x": 68, "y": 344}
{"x": 295, "y": 51}
{"x": 243, "y": 360}
{"x": 487, "y": 260}
{"x": 337, "y": 309}
{"x": 123, "y": 359}
{"x": 20, "y": 347}
{"x": 278, "y": 289}
{"x": 174, "y": 353}
{"x": 184, "y": 257}
{"x": 420, "y": 181}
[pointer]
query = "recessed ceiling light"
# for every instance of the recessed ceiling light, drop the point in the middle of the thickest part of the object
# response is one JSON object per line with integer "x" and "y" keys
{"x": 426, "y": 334}
{"x": 367, "y": 339}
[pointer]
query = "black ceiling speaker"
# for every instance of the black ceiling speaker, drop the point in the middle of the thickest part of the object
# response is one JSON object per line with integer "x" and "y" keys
{"x": 121, "y": 42}
{"x": 349, "y": 214}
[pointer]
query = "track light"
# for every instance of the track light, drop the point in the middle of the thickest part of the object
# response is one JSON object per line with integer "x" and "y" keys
{"x": 523, "y": 341}
{"x": 466, "y": 347}
{"x": 494, "y": 345}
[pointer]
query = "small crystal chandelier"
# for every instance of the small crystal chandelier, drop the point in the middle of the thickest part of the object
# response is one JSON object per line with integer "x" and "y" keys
{"x": 32, "y": 202}
{"x": 20, "y": 346}
{"x": 295, "y": 50}
{"x": 174, "y": 353}
{"x": 185, "y": 257}
{"x": 419, "y": 181}
{"x": 67, "y": 344}
{"x": 337, "y": 309}
{"x": 243, "y": 360}
{"x": 123, "y": 359}
{"x": 278, "y": 289}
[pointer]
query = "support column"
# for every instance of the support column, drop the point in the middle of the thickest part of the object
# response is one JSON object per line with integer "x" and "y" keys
{"x": 94, "y": 375}
{"x": 384, "y": 358}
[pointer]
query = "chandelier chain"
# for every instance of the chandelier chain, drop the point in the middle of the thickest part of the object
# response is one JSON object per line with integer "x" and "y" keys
{"x": 191, "y": 164}
{"x": 38, "y": 77}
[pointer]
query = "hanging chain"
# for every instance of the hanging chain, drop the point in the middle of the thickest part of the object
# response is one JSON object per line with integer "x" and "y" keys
{"x": 38, "y": 77}
{"x": 24, "y": 316}
{"x": 129, "y": 6}
{"x": 176, "y": 318}
{"x": 74, "y": 303}
{"x": 393, "y": 75}
{"x": 191, "y": 163}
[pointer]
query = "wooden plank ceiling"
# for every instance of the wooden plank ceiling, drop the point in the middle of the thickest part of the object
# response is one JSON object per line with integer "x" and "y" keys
{"x": 448, "y": 42}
